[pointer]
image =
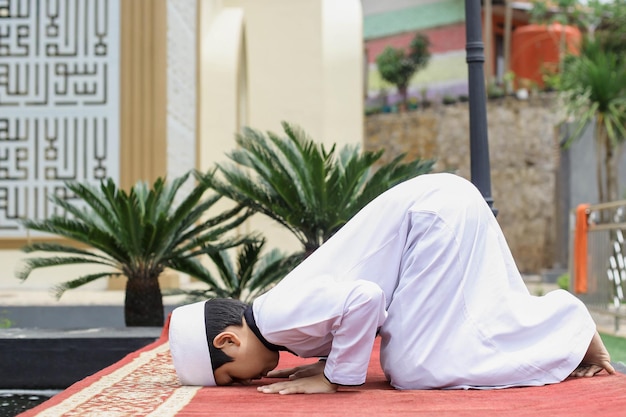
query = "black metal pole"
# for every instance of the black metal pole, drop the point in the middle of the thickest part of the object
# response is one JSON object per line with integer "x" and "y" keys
{"x": 479, "y": 142}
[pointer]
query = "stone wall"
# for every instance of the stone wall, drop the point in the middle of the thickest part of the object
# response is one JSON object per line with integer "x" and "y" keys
{"x": 524, "y": 157}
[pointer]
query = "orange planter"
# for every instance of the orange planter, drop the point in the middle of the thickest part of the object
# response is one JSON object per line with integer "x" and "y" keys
{"x": 535, "y": 50}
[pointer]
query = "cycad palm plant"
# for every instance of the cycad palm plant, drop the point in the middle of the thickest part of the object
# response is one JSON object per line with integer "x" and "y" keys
{"x": 136, "y": 234}
{"x": 300, "y": 184}
{"x": 594, "y": 88}
{"x": 247, "y": 278}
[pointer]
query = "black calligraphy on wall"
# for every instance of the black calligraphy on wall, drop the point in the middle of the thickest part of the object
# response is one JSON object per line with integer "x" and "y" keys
{"x": 59, "y": 102}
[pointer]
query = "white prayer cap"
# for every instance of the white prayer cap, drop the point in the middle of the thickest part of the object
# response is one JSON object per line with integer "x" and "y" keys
{"x": 189, "y": 346}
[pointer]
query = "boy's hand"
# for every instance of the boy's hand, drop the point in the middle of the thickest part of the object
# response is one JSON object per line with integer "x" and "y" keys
{"x": 299, "y": 371}
{"x": 316, "y": 384}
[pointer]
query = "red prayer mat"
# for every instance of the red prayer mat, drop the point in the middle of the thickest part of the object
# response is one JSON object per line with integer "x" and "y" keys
{"x": 145, "y": 384}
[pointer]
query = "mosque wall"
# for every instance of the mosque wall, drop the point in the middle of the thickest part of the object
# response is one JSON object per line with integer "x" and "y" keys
{"x": 189, "y": 75}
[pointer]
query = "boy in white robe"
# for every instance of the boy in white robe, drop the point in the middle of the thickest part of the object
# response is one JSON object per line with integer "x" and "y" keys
{"x": 427, "y": 267}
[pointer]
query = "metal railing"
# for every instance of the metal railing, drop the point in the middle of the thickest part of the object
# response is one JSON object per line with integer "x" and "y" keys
{"x": 606, "y": 259}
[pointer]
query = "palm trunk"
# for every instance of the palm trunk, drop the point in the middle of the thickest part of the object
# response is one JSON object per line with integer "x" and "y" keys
{"x": 610, "y": 167}
{"x": 309, "y": 249}
{"x": 143, "y": 305}
{"x": 403, "y": 105}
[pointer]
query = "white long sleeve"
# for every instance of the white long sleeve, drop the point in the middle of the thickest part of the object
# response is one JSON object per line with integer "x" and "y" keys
{"x": 324, "y": 317}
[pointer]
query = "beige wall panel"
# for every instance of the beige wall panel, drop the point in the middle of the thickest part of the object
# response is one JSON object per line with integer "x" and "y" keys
{"x": 304, "y": 65}
{"x": 221, "y": 87}
{"x": 46, "y": 278}
{"x": 284, "y": 51}
{"x": 342, "y": 47}
{"x": 296, "y": 61}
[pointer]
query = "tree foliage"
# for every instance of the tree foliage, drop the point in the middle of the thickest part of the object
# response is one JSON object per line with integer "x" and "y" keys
{"x": 610, "y": 25}
{"x": 565, "y": 12}
{"x": 398, "y": 67}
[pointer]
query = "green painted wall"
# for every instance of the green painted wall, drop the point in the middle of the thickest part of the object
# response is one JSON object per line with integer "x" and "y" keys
{"x": 440, "y": 68}
{"x": 416, "y": 18}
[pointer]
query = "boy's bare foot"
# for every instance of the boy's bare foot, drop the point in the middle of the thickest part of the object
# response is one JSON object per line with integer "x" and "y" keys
{"x": 596, "y": 359}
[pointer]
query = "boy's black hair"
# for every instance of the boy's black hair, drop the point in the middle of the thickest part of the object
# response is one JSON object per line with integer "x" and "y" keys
{"x": 220, "y": 313}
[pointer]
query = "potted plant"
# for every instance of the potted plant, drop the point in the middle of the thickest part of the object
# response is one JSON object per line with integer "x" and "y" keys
{"x": 310, "y": 190}
{"x": 136, "y": 234}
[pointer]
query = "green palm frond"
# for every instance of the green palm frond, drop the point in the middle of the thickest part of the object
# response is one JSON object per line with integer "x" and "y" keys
{"x": 35, "y": 263}
{"x": 309, "y": 160}
{"x": 58, "y": 290}
{"x": 251, "y": 192}
{"x": 95, "y": 200}
{"x": 227, "y": 272}
{"x": 82, "y": 232}
{"x": 391, "y": 174}
{"x": 270, "y": 269}
{"x": 206, "y": 239}
{"x": 194, "y": 268}
{"x": 212, "y": 227}
{"x": 56, "y": 247}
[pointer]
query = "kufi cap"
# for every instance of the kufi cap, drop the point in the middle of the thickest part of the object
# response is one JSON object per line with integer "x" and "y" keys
{"x": 189, "y": 346}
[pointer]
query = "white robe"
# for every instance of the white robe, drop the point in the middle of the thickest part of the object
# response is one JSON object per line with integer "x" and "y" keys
{"x": 427, "y": 264}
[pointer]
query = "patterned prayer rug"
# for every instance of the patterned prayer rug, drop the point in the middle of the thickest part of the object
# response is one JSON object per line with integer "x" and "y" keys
{"x": 145, "y": 384}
